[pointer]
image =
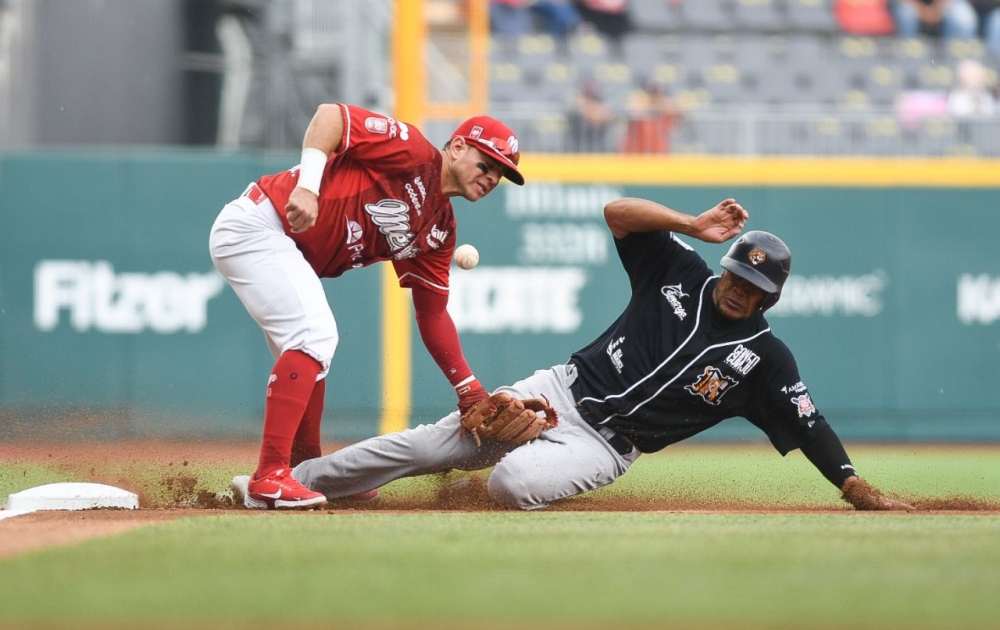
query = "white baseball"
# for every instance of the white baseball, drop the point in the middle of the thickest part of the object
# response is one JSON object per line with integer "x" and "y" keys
{"x": 466, "y": 256}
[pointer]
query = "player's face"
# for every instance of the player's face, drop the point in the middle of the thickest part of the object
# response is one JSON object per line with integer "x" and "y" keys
{"x": 737, "y": 298}
{"x": 478, "y": 173}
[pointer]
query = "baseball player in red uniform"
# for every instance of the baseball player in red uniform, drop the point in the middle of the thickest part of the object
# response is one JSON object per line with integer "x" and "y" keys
{"x": 368, "y": 188}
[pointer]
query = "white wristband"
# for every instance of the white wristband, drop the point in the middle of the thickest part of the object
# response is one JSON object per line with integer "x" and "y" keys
{"x": 311, "y": 167}
{"x": 465, "y": 382}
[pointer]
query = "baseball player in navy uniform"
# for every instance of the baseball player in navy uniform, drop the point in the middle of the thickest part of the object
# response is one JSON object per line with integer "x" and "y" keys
{"x": 368, "y": 188}
{"x": 690, "y": 350}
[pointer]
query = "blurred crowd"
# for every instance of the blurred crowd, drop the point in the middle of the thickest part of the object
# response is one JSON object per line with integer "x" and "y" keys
{"x": 559, "y": 17}
{"x": 646, "y": 122}
{"x": 904, "y": 18}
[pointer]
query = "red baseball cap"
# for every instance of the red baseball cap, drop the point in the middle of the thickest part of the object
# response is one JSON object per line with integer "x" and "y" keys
{"x": 496, "y": 140}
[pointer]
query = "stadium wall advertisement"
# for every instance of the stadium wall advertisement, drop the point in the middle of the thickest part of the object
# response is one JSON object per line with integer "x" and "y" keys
{"x": 110, "y": 306}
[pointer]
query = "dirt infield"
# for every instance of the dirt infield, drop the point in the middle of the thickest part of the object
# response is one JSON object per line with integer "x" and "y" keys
{"x": 173, "y": 491}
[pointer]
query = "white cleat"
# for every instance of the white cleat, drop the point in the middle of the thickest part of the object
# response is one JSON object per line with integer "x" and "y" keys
{"x": 239, "y": 486}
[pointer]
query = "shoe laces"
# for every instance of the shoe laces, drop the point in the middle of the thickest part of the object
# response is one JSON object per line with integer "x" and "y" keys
{"x": 277, "y": 475}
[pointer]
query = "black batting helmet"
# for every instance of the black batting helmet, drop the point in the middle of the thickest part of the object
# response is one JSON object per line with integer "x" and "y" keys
{"x": 762, "y": 259}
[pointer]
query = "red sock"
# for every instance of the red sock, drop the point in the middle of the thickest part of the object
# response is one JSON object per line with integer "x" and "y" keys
{"x": 289, "y": 389}
{"x": 307, "y": 439}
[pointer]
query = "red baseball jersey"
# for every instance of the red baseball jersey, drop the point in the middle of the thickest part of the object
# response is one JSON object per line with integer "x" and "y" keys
{"x": 380, "y": 199}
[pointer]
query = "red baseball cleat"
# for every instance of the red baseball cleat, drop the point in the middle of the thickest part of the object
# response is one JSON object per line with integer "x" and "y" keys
{"x": 279, "y": 490}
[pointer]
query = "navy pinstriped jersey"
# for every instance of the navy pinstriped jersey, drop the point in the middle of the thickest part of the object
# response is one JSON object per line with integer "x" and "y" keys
{"x": 671, "y": 366}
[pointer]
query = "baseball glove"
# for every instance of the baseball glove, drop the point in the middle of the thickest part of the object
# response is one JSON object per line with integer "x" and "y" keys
{"x": 506, "y": 419}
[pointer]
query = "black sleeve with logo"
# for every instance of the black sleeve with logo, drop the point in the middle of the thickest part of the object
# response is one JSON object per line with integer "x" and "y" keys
{"x": 670, "y": 367}
{"x": 783, "y": 408}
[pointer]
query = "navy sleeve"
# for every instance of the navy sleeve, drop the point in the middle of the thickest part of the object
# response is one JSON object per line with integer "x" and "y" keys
{"x": 648, "y": 256}
{"x": 827, "y": 454}
{"x": 783, "y": 407}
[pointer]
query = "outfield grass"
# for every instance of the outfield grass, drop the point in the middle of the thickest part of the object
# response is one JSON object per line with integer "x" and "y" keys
{"x": 555, "y": 569}
{"x": 561, "y": 569}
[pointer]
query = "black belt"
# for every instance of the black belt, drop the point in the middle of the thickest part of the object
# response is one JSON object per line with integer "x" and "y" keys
{"x": 622, "y": 445}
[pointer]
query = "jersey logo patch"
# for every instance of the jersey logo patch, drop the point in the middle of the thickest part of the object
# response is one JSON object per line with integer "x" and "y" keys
{"x": 354, "y": 232}
{"x": 711, "y": 385}
{"x": 805, "y": 405}
{"x": 436, "y": 238}
{"x": 377, "y": 125}
{"x": 742, "y": 359}
{"x": 354, "y": 244}
{"x": 416, "y": 201}
{"x": 797, "y": 388}
{"x": 674, "y": 293}
{"x": 615, "y": 353}
{"x": 398, "y": 127}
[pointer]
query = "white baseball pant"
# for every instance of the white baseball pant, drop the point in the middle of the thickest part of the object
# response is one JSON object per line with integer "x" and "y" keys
{"x": 274, "y": 282}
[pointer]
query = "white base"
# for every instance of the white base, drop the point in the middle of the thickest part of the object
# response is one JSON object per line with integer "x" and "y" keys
{"x": 71, "y": 496}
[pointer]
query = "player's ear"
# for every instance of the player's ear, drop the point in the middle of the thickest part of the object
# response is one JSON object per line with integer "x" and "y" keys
{"x": 457, "y": 146}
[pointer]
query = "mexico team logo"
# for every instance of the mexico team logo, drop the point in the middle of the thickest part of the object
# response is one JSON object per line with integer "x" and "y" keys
{"x": 392, "y": 217}
{"x": 711, "y": 385}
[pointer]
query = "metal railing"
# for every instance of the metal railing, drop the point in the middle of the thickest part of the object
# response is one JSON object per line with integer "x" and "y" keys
{"x": 12, "y": 28}
{"x": 750, "y": 131}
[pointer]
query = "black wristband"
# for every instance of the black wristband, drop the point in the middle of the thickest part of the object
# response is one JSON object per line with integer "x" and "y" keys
{"x": 827, "y": 454}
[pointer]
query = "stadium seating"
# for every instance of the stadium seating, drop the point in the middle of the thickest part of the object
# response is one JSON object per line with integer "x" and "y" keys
{"x": 752, "y": 58}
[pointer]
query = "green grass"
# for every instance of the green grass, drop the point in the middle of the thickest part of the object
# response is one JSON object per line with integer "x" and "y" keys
{"x": 744, "y": 476}
{"x": 554, "y": 569}
{"x": 561, "y": 569}
{"x": 729, "y": 474}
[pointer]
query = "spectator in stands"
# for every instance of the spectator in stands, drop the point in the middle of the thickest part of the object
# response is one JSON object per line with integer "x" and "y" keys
{"x": 864, "y": 17}
{"x": 945, "y": 18}
{"x": 557, "y": 17}
{"x": 608, "y": 17}
{"x": 652, "y": 117}
{"x": 519, "y": 17}
{"x": 510, "y": 17}
{"x": 590, "y": 122}
{"x": 971, "y": 97}
{"x": 988, "y": 12}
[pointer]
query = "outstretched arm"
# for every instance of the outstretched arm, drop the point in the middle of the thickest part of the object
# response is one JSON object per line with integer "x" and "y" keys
{"x": 715, "y": 225}
{"x": 827, "y": 454}
{"x": 440, "y": 337}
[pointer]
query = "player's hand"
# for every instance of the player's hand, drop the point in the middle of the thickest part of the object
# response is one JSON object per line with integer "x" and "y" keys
{"x": 469, "y": 394}
{"x": 864, "y": 496}
{"x": 721, "y": 223}
{"x": 302, "y": 210}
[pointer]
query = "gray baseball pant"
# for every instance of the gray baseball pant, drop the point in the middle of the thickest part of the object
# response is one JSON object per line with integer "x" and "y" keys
{"x": 567, "y": 460}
